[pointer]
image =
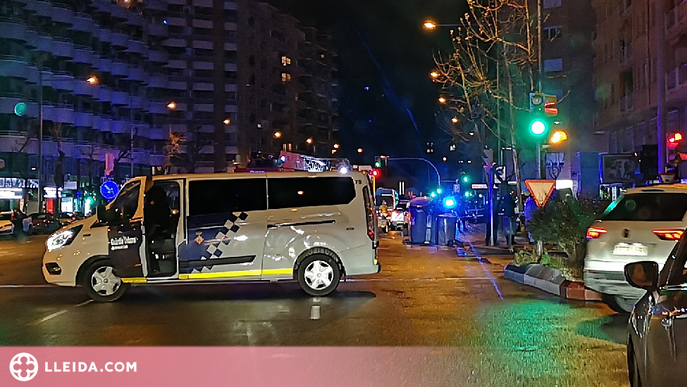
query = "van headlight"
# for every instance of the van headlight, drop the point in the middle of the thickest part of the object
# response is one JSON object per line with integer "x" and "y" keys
{"x": 62, "y": 238}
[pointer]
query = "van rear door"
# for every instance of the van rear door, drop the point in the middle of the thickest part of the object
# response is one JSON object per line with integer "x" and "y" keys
{"x": 370, "y": 213}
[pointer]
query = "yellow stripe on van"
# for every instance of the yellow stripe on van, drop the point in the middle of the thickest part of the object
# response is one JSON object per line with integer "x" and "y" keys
{"x": 234, "y": 274}
{"x": 135, "y": 280}
{"x": 226, "y": 274}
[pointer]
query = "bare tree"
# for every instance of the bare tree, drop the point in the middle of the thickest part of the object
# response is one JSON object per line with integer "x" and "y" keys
{"x": 184, "y": 149}
{"x": 488, "y": 77}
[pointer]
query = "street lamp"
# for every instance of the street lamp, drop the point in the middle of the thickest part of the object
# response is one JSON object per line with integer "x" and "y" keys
{"x": 226, "y": 121}
{"x": 92, "y": 80}
{"x": 442, "y": 100}
{"x": 309, "y": 140}
{"x": 434, "y": 74}
{"x": 429, "y": 25}
{"x": 454, "y": 120}
{"x": 360, "y": 150}
{"x": 172, "y": 105}
{"x": 277, "y": 134}
{"x": 336, "y": 146}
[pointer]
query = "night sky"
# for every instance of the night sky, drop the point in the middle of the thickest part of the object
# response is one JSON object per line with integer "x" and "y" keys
{"x": 381, "y": 46}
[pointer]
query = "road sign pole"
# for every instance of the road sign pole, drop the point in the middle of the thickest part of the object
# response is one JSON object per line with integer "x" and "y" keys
{"x": 539, "y": 174}
{"x": 492, "y": 237}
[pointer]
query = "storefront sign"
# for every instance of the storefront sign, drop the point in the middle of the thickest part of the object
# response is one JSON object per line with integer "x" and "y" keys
{"x": 10, "y": 193}
{"x": 15, "y": 182}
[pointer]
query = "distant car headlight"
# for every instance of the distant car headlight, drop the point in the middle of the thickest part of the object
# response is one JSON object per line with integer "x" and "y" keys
{"x": 63, "y": 238}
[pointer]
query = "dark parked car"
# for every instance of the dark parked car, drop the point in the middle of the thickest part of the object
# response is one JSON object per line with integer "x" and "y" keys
{"x": 44, "y": 223}
{"x": 657, "y": 329}
{"x": 66, "y": 218}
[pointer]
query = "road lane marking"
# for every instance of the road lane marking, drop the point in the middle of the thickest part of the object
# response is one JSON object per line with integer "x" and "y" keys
{"x": 481, "y": 263}
{"x": 48, "y": 317}
{"x": 26, "y": 286}
{"x": 315, "y": 312}
{"x": 84, "y": 303}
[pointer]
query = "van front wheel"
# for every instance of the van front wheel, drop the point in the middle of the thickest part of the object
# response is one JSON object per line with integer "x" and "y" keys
{"x": 319, "y": 275}
{"x": 101, "y": 283}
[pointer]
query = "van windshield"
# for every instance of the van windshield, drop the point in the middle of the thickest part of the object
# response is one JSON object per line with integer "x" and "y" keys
{"x": 655, "y": 206}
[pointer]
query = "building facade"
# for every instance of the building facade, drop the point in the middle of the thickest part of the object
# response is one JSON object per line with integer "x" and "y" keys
{"x": 125, "y": 85}
{"x": 628, "y": 44}
{"x": 568, "y": 65}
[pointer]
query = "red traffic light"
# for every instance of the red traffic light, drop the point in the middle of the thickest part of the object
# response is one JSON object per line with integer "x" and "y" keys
{"x": 674, "y": 139}
{"x": 550, "y": 109}
{"x": 376, "y": 173}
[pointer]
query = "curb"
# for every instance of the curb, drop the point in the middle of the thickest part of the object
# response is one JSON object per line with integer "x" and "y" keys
{"x": 549, "y": 280}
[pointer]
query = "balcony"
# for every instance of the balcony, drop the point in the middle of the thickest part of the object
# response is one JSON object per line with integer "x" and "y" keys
{"x": 63, "y": 114}
{"x": 105, "y": 35}
{"x": 105, "y": 94}
{"x": 157, "y": 5}
{"x": 134, "y": 19}
{"x": 136, "y": 74}
{"x": 176, "y": 85}
{"x": 43, "y": 8}
{"x": 157, "y": 81}
{"x": 176, "y": 64}
{"x": 81, "y": 87}
{"x": 62, "y": 48}
{"x": 119, "y": 39}
{"x": 13, "y": 68}
{"x": 175, "y": 42}
{"x": 84, "y": 55}
{"x": 135, "y": 102}
{"x": 14, "y": 31}
{"x": 230, "y": 4}
{"x": 103, "y": 64}
{"x": 31, "y": 37}
{"x": 120, "y": 126}
{"x": 158, "y": 56}
{"x": 83, "y": 119}
{"x": 63, "y": 81}
{"x": 158, "y": 107}
{"x": 62, "y": 15}
{"x": 627, "y": 103}
{"x": 44, "y": 43}
{"x": 138, "y": 47}
{"x": 105, "y": 124}
{"x": 118, "y": 11}
{"x": 157, "y": 30}
{"x": 83, "y": 23}
{"x": 120, "y": 98}
{"x": 119, "y": 68}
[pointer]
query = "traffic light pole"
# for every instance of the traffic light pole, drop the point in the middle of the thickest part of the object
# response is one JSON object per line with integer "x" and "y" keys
{"x": 539, "y": 151}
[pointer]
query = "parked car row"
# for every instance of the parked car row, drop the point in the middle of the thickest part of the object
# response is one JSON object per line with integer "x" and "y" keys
{"x": 39, "y": 223}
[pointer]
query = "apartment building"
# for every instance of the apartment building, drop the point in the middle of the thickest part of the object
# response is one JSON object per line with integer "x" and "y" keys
{"x": 626, "y": 73}
{"x": 89, "y": 63}
{"x": 287, "y": 84}
{"x": 568, "y": 64}
{"x": 123, "y": 75}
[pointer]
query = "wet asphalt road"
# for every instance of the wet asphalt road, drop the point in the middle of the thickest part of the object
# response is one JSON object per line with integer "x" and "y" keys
{"x": 498, "y": 333}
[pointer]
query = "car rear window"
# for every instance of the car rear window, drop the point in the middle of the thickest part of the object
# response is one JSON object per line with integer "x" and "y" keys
{"x": 655, "y": 206}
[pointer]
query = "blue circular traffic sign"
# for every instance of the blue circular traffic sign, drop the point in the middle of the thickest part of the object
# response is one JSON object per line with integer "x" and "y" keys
{"x": 109, "y": 190}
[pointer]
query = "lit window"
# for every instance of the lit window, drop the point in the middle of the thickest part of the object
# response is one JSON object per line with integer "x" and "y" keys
{"x": 285, "y": 77}
{"x": 285, "y": 60}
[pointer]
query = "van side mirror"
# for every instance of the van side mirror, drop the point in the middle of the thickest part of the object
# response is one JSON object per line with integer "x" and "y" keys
{"x": 643, "y": 274}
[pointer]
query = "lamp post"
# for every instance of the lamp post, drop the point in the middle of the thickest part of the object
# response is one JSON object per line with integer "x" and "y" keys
{"x": 39, "y": 62}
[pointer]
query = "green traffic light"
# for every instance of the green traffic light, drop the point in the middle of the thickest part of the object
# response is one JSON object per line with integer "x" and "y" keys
{"x": 20, "y": 109}
{"x": 433, "y": 194}
{"x": 466, "y": 179}
{"x": 439, "y": 191}
{"x": 378, "y": 164}
{"x": 538, "y": 127}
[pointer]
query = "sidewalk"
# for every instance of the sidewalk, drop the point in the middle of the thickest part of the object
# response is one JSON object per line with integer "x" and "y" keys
{"x": 475, "y": 238}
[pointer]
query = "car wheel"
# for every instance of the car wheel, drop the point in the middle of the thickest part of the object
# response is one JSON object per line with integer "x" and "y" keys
{"x": 633, "y": 368}
{"x": 101, "y": 283}
{"x": 618, "y": 303}
{"x": 319, "y": 275}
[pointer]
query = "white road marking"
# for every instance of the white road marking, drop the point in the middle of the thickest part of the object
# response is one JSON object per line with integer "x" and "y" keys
{"x": 415, "y": 279}
{"x": 48, "y": 317}
{"x": 315, "y": 312}
{"x": 26, "y": 286}
{"x": 84, "y": 303}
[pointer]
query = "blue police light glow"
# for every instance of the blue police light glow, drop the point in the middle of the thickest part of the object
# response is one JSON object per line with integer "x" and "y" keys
{"x": 343, "y": 170}
{"x": 439, "y": 191}
{"x": 450, "y": 202}
{"x": 433, "y": 194}
{"x": 282, "y": 158}
{"x": 109, "y": 190}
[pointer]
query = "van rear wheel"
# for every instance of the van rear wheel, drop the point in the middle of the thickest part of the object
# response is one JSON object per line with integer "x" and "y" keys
{"x": 319, "y": 275}
{"x": 618, "y": 303}
{"x": 101, "y": 283}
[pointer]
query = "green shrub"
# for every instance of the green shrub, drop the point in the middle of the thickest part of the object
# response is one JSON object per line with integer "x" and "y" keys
{"x": 524, "y": 258}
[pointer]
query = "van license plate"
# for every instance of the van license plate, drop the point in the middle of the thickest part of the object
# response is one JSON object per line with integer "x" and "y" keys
{"x": 630, "y": 249}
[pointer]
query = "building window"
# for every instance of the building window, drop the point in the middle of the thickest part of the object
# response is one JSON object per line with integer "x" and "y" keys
{"x": 285, "y": 77}
{"x": 285, "y": 60}
{"x": 553, "y": 65}
{"x": 552, "y": 3}
{"x": 550, "y": 33}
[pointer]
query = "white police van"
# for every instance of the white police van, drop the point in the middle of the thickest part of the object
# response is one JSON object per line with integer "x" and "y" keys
{"x": 314, "y": 228}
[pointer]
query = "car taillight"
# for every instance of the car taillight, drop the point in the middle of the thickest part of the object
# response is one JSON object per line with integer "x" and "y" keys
{"x": 595, "y": 232}
{"x": 669, "y": 235}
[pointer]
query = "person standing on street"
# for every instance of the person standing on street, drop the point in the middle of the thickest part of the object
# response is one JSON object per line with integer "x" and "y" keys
{"x": 18, "y": 225}
{"x": 530, "y": 208}
{"x": 509, "y": 222}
